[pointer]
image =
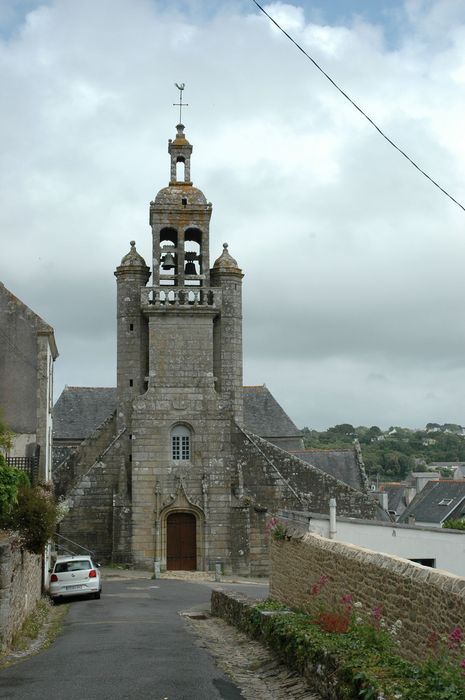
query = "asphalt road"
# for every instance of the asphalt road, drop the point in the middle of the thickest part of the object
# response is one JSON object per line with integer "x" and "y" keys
{"x": 130, "y": 644}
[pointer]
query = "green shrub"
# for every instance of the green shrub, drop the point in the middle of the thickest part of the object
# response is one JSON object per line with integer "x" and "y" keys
{"x": 455, "y": 524}
{"x": 277, "y": 529}
{"x": 11, "y": 480}
{"x": 34, "y": 517}
{"x": 363, "y": 661}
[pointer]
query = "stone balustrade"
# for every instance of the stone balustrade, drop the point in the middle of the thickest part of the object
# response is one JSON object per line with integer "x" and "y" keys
{"x": 153, "y": 297}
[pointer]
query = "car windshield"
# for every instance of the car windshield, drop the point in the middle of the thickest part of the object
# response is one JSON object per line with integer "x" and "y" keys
{"x": 62, "y": 567}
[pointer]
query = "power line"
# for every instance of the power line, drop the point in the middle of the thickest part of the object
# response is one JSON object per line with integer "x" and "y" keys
{"x": 359, "y": 109}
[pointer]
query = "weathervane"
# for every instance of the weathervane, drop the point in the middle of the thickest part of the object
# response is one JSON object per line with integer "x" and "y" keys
{"x": 180, "y": 104}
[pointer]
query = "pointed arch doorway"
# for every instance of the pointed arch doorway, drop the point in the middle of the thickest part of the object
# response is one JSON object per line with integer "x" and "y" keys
{"x": 181, "y": 542}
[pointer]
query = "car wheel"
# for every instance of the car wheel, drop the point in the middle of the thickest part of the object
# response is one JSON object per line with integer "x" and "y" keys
{"x": 97, "y": 595}
{"x": 56, "y": 600}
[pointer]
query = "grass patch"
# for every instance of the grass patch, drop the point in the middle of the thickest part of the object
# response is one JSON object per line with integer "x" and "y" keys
{"x": 32, "y": 626}
{"x": 39, "y": 630}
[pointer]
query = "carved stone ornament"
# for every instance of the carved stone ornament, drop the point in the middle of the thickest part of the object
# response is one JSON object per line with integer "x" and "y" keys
{"x": 179, "y": 404}
{"x": 179, "y": 500}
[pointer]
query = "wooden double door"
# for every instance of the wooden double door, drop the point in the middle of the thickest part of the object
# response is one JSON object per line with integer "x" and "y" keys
{"x": 181, "y": 542}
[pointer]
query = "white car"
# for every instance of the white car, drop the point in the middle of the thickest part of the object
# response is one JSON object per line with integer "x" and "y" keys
{"x": 77, "y": 575}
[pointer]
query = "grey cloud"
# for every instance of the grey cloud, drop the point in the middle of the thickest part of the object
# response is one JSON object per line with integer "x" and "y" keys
{"x": 353, "y": 263}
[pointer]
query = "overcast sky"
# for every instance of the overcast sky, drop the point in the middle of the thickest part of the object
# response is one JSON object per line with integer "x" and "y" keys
{"x": 354, "y": 288}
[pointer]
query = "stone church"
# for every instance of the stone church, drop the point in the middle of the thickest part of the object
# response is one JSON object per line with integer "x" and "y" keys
{"x": 181, "y": 464}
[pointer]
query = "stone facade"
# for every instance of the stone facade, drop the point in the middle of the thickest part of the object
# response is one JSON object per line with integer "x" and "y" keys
{"x": 425, "y": 600}
{"x": 181, "y": 481}
{"x": 27, "y": 354}
{"x": 20, "y": 588}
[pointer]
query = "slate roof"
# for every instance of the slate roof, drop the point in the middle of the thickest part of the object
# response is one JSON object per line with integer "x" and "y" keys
{"x": 437, "y": 502}
{"x": 80, "y": 410}
{"x": 264, "y": 416}
{"x": 397, "y": 501}
{"x": 342, "y": 464}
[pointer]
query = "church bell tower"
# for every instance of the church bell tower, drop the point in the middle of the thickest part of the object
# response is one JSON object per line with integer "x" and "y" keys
{"x": 181, "y": 417}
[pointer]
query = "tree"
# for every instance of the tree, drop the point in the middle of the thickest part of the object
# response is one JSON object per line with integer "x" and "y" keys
{"x": 342, "y": 429}
{"x": 453, "y": 427}
{"x": 370, "y": 434}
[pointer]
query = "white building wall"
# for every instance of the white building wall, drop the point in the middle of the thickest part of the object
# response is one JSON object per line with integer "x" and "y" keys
{"x": 445, "y": 547}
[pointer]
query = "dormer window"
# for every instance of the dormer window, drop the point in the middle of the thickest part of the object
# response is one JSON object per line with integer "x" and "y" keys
{"x": 181, "y": 443}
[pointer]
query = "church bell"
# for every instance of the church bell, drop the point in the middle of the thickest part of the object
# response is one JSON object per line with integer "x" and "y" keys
{"x": 190, "y": 269}
{"x": 168, "y": 262}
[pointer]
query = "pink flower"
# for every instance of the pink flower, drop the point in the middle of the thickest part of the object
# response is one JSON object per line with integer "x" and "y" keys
{"x": 377, "y": 614}
{"x": 347, "y": 599}
{"x": 314, "y": 589}
{"x": 323, "y": 580}
{"x": 272, "y": 522}
{"x": 455, "y": 637}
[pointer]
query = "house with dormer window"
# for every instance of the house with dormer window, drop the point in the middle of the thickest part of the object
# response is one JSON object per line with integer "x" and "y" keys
{"x": 439, "y": 501}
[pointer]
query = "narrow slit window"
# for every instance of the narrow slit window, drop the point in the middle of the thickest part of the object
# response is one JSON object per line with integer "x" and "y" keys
{"x": 131, "y": 382}
{"x": 131, "y": 326}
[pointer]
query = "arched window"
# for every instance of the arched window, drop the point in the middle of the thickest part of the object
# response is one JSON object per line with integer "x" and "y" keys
{"x": 181, "y": 443}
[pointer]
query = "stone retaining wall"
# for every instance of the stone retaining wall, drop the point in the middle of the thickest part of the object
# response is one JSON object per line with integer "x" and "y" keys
{"x": 231, "y": 606}
{"x": 321, "y": 673}
{"x": 20, "y": 588}
{"x": 425, "y": 600}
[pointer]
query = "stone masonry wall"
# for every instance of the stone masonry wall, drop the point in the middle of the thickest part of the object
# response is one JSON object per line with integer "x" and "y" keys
{"x": 80, "y": 459}
{"x": 20, "y": 589}
{"x": 425, "y": 600}
{"x": 18, "y": 375}
{"x": 157, "y": 479}
{"x": 275, "y": 479}
{"x": 227, "y": 339}
{"x": 99, "y": 515}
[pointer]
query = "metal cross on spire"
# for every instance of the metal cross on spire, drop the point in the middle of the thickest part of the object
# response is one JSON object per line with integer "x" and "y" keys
{"x": 180, "y": 104}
